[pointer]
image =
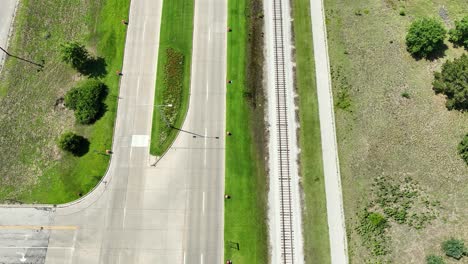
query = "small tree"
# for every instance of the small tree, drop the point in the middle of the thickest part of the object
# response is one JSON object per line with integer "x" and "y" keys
{"x": 87, "y": 100}
{"x": 425, "y": 36}
{"x": 452, "y": 82}
{"x": 73, "y": 143}
{"x": 432, "y": 259}
{"x": 75, "y": 54}
{"x": 463, "y": 149}
{"x": 459, "y": 35}
{"x": 454, "y": 248}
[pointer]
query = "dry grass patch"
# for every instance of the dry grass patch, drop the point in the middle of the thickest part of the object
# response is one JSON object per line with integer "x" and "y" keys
{"x": 385, "y": 134}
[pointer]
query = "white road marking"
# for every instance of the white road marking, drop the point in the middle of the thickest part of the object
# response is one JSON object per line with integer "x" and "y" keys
{"x": 204, "y": 160}
{"x": 207, "y": 93}
{"x": 124, "y": 215}
{"x": 140, "y": 141}
{"x": 184, "y": 257}
{"x": 138, "y": 87}
{"x": 203, "y": 203}
{"x": 201, "y": 258}
{"x": 209, "y": 34}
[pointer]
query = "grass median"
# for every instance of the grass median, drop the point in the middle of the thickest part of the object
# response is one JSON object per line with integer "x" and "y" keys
{"x": 33, "y": 169}
{"x": 245, "y": 230}
{"x": 315, "y": 225}
{"x": 173, "y": 73}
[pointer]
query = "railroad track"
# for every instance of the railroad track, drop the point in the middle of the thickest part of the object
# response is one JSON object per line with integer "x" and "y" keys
{"x": 286, "y": 212}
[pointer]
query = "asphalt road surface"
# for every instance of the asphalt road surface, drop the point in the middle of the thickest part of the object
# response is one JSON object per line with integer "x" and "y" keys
{"x": 170, "y": 213}
{"x": 331, "y": 165}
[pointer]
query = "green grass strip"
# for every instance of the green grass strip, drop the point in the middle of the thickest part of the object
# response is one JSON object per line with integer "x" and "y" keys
{"x": 245, "y": 230}
{"x": 173, "y": 73}
{"x": 316, "y": 240}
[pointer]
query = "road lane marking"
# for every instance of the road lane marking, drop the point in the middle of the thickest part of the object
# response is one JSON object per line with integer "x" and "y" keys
{"x": 204, "y": 159}
{"x": 34, "y": 227}
{"x": 203, "y": 205}
{"x": 184, "y": 257}
{"x": 201, "y": 258}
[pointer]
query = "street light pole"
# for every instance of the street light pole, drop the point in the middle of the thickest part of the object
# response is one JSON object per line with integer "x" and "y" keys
{"x": 19, "y": 58}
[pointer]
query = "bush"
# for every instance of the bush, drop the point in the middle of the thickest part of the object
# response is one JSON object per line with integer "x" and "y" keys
{"x": 87, "y": 101}
{"x": 463, "y": 149}
{"x": 459, "y": 35}
{"x": 75, "y": 54}
{"x": 452, "y": 82}
{"x": 372, "y": 227}
{"x": 425, "y": 37}
{"x": 432, "y": 259}
{"x": 73, "y": 143}
{"x": 454, "y": 248}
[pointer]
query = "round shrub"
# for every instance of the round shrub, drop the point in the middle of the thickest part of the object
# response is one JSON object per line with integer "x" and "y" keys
{"x": 87, "y": 100}
{"x": 463, "y": 148}
{"x": 425, "y": 36}
{"x": 432, "y": 259}
{"x": 73, "y": 143}
{"x": 452, "y": 81}
{"x": 459, "y": 35}
{"x": 454, "y": 248}
{"x": 75, "y": 54}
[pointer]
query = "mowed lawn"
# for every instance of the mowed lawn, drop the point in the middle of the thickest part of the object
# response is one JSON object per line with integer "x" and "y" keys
{"x": 382, "y": 133}
{"x": 173, "y": 73}
{"x": 245, "y": 230}
{"x": 32, "y": 168}
{"x": 315, "y": 225}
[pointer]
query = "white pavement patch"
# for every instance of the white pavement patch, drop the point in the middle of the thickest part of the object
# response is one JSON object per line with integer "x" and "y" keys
{"x": 140, "y": 141}
{"x": 335, "y": 213}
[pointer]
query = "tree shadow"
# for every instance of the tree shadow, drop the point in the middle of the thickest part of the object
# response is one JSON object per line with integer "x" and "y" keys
{"x": 434, "y": 55}
{"x": 82, "y": 148}
{"x": 95, "y": 67}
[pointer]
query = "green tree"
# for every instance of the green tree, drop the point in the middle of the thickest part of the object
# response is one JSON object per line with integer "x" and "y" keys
{"x": 73, "y": 143}
{"x": 463, "y": 148}
{"x": 87, "y": 100}
{"x": 432, "y": 259}
{"x": 454, "y": 248}
{"x": 425, "y": 36}
{"x": 75, "y": 54}
{"x": 452, "y": 81}
{"x": 459, "y": 35}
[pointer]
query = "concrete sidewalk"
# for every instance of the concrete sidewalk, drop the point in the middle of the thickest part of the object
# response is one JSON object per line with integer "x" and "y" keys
{"x": 331, "y": 165}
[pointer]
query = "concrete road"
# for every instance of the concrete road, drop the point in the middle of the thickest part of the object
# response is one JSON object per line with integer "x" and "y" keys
{"x": 171, "y": 213}
{"x": 331, "y": 165}
{"x": 7, "y": 11}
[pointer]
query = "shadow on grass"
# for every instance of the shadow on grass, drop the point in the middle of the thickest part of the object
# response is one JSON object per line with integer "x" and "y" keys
{"x": 82, "y": 148}
{"x": 95, "y": 68}
{"x": 434, "y": 55}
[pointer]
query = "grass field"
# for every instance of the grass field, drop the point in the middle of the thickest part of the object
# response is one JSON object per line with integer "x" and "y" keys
{"x": 315, "y": 225}
{"x": 173, "y": 73}
{"x": 393, "y": 126}
{"x": 245, "y": 212}
{"x": 32, "y": 168}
